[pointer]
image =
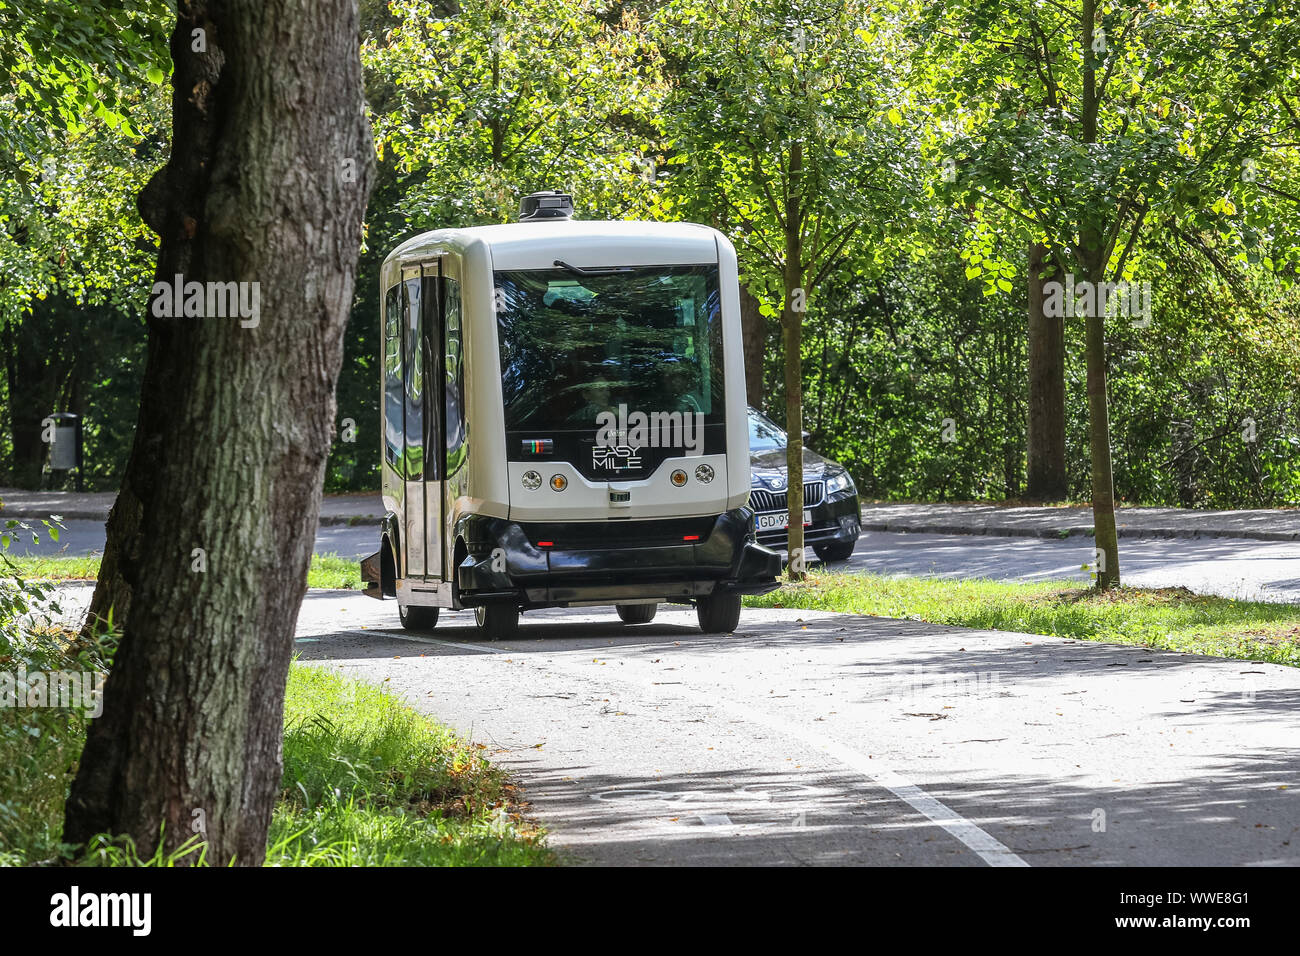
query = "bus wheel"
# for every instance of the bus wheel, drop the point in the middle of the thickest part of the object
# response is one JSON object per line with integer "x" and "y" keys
{"x": 636, "y": 613}
{"x": 498, "y": 622}
{"x": 417, "y": 618}
{"x": 718, "y": 613}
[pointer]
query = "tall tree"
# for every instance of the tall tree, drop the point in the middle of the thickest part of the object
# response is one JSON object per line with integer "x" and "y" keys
{"x": 499, "y": 99}
{"x": 211, "y": 534}
{"x": 1091, "y": 124}
{"x": 790, "y": 135}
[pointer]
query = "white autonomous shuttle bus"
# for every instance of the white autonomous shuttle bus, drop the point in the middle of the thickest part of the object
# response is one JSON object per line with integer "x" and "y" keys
{"x": 564, "y": 423}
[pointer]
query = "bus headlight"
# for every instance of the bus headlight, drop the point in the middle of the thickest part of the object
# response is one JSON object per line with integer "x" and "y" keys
{"x": 839, "y": 483}
{"x": 559, "y": 482}
{"x": 678, "y": 477}
{"x": 532, "y": 480}
{"x": 704, "y": 473}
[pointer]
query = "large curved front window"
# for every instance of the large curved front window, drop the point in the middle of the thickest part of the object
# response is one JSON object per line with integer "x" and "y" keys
{"x": 573, "y": 346}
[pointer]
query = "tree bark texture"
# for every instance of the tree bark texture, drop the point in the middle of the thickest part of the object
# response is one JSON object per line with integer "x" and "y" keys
{"x": 212, "y": 532}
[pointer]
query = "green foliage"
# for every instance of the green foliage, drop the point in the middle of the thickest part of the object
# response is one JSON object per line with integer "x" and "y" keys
{"x": 371, "y": 784}
{"x": 819, "y": 78}
{"x": 39, "y": 746}
{"x": 475, "y": 109}
{"x": 1189, "y": 123}
{"x": 1172, "y": 619}
{"x": 63, "y": 63}
{"x": 915, "y": 381}
{"x": 77, "y": 260}
{"x": 938, "y": 140}
{"x": 327, "y": 571}
{"x": 897, "y": 356}
{"x": 90, "y": 132}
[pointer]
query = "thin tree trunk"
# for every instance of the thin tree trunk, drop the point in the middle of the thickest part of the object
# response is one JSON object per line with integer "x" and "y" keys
{"x": 1046, "y": 421}
{"x": 1103, "y": 493}
{"x": 1094, "y": 256}
{"x": 210, "y": 537}
{"x": 792, "y": 334}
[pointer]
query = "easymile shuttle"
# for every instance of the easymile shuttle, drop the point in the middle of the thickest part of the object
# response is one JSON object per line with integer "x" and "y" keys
{"x": 564, "y": 423}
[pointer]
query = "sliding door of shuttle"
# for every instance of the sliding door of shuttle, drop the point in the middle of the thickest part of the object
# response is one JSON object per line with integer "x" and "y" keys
{"x": 434, "y": 414}
{"x": 422, "y": 338}
{"x": 453, "y": 448}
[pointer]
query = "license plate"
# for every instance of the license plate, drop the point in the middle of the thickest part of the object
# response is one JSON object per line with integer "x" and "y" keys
{"x": 778, "y": 522}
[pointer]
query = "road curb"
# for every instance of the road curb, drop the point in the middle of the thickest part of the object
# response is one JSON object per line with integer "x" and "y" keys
{"x": 892, "y": 527}
{"x": 912, "y": 527}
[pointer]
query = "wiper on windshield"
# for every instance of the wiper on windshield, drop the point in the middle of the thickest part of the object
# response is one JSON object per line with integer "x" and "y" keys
{"x": 578, "y": 271}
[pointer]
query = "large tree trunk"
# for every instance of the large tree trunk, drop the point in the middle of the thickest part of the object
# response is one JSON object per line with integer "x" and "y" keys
{"x": 753, "y": 333}
{"x": 1046, "y": 426}
{"x": 211, "y": 535}
{"x": 792, "y": 313}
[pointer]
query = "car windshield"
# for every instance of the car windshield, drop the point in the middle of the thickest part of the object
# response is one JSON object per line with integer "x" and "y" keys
{"x": 574, "y": 346}
{"x": 764, "y": 435}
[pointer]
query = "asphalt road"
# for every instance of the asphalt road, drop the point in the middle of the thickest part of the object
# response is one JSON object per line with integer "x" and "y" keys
{"x": 811, "y": 738}
{"x": 81, "y": 537}
{"x": 1241, "y": 568}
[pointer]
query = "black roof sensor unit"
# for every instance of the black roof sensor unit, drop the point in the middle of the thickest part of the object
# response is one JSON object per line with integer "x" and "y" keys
{"x": 548, "y": 204}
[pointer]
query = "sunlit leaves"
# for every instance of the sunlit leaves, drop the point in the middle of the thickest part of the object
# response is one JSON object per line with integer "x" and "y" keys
{"x": 503, "y": 99}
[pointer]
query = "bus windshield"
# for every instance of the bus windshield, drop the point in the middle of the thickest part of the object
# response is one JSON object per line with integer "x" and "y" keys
{"x": 576, "y": 345}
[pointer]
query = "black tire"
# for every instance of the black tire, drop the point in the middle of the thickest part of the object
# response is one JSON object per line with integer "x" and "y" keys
{"x": 417, "y": 618}
{"x": 718, "y": 613}
{"x": 835, "y": 551}
{"x": 497, "y": 622}
{"x": 636, "y": 613}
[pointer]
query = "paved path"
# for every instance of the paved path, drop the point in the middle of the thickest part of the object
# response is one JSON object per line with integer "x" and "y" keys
{"x": 998, "y": 520}
{"x": 94, "y": 506}
{"x": 82, "y": 537}
{"x": 813, "y": 738}
{"x": 1257, "y": 570}
{"x": 1263, "y": 525}
{"x": 1229, "y": 567}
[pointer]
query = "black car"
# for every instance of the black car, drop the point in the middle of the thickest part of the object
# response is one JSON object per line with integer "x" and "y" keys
{"x": 832, "y": 518}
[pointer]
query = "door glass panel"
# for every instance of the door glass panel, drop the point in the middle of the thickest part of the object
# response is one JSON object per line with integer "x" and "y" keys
{"x": 454, "y": 378}
{"x": 394, "y": 444}
{"x": 414, "y": 383}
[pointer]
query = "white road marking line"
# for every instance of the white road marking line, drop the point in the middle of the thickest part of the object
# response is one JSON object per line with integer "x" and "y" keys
{"x": 715, "y": 819}
{"x": 988, "y": 848}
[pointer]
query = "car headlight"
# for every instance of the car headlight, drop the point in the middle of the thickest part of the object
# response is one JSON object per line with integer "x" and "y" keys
{"x": 839, "y": 482}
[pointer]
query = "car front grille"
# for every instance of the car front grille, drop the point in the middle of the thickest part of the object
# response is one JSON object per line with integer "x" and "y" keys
{"x": 760, "y": 499}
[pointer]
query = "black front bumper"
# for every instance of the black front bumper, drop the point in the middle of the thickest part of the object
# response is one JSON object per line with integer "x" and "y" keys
{"x": 836, "y": 519}
{"x": 551, "y": 565}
